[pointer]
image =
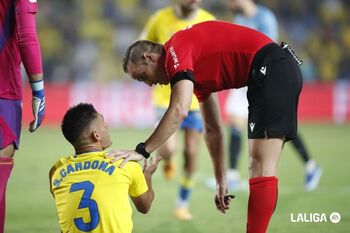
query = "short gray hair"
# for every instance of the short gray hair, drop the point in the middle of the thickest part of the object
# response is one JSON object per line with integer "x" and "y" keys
{"x": 136, "y": 50}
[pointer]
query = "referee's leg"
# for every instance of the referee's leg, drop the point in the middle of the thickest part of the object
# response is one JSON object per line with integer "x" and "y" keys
{"x": 264, "y": 155}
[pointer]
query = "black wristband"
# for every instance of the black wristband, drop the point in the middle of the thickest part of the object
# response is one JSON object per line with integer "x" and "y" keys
{"x": 141, "y": 149}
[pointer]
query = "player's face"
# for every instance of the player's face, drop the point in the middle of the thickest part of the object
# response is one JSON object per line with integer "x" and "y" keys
{"x": 150, "y": 72}
{"x": 102, "y": 129}
{"x": 189, "y": 5}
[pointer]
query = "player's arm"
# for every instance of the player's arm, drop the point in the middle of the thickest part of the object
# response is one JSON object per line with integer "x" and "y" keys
{"x": 180, "y": 102}
{"x": 31, "y": 57}
{"x": 214, "y": 138}
{"x": 143, "y": 202}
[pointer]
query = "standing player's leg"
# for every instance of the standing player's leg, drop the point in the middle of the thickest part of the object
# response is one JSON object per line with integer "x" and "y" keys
{"x": 192, "y": 126}
{"x": 313, "y": 171}
{"x": 167, "y": 151}
{"x": 237, "y": 109}
{"x": 301, "y": 149}
{"x": 235, "y": 146}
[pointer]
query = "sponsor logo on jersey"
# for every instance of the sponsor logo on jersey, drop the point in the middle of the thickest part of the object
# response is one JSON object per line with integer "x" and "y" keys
{"x": 174, "y": 56}
{"x": 263, "y": 70}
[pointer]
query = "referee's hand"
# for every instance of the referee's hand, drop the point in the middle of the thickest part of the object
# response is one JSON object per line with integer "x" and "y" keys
{"x": 222, "y": 198}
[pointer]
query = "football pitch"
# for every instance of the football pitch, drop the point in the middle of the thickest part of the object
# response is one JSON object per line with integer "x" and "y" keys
{"x": 31, "y": 209}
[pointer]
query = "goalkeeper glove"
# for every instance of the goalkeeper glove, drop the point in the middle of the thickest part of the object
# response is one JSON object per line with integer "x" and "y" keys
{"x": 38, "y": 104}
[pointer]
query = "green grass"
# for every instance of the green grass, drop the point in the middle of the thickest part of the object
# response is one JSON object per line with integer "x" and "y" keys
{"x": 30, "y": 206}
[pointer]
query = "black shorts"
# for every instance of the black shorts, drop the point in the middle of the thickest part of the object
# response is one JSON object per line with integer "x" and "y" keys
{"x": 274, "y": 87}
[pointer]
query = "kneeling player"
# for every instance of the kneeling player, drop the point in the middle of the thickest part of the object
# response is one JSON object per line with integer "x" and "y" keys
{"x": 90, "y": 192}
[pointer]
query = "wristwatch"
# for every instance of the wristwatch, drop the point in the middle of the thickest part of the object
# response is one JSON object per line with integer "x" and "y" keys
{"x": 141, "y": 149}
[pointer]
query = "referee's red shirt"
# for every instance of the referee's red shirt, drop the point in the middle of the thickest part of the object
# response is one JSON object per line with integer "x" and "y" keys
{"x": 218, "y": 53}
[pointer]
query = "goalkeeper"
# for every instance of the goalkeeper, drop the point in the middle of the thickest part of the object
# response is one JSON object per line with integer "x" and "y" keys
{"x": 19, "y": 43}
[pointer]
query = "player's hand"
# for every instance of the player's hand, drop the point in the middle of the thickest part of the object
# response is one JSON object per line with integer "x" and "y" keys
{"x": 152, "y": 166}
{"x": 38, "y": 106}
{"x": 127, "y": 155}
{"x": 222, "y": 199}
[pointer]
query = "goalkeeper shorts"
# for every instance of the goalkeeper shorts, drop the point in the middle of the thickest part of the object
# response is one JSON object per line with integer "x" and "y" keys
{"x": 10, "y": 122}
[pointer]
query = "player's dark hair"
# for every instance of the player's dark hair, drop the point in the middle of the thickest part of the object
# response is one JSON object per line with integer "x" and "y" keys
{"x": 135, "y": 52}
{"x": 76, "y": 119}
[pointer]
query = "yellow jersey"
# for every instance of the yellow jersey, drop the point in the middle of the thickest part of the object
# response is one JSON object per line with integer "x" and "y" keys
{"x": 160, "y": 27}
{"x": 92, "y": 194}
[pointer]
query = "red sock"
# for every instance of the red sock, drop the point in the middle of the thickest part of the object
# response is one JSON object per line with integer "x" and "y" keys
{"x": 6, "y": 165}
{"x": 262, "y": 203}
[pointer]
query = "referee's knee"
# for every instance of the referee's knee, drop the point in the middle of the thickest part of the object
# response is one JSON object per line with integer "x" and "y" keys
{"x": 259, "y": 168}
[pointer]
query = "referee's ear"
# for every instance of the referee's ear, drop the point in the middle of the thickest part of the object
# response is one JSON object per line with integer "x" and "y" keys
{"x": 149, "y": 57}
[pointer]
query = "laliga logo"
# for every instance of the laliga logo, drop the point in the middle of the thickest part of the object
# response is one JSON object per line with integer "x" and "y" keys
{"x": 315, "y": 217}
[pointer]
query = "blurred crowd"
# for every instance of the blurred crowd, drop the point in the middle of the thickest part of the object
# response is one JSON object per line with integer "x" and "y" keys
{"x": 85, "y": 40}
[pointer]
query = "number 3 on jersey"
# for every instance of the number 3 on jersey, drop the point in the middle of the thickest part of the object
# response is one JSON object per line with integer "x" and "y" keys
{"x": 86, "y": 202}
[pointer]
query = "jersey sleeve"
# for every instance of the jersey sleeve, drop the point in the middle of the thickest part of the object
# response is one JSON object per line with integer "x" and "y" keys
{"x": 26, "y": 6}
{"x": 178, "y": 58}
{"x": 201, "y": 96}
{"x": 53, "y": 174}
{"x": 138, "y": 184}
{"x": 27, "y": 36}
